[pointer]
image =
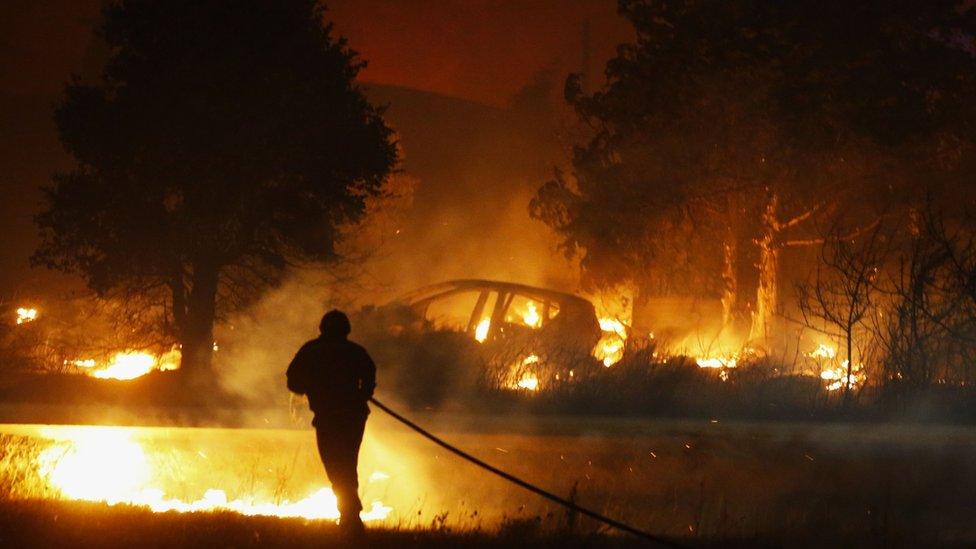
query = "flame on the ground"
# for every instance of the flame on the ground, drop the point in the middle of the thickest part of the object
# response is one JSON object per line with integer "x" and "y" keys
{"x": 726, "y": 361}
{"x": 613, "y": 339}
{"x": 837, "y": 378}
{"x": 128, "y": 364}
{"x": 525, "y": 379}
{"x": 731, "y": 361}
{"x": 833, "y": 374}
{"x": 529, "y": 382}
{"x": 106, "y": 465}
{"x": 26, "y": 314}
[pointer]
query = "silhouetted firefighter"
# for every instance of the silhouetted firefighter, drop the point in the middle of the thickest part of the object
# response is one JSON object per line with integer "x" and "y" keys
{"x": 339, "y": 377}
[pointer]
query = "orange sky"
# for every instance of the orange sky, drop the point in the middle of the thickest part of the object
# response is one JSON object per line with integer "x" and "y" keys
{"x": 481, "y": 50}
{"x": 478, "y": 50}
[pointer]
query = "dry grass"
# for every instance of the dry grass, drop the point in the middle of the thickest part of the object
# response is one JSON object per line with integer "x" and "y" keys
{"x": 76, "y": 524}
{"x": 701, "y": 482}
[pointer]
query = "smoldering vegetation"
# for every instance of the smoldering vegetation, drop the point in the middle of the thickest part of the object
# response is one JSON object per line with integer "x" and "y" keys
{"x": 424, "y": 367}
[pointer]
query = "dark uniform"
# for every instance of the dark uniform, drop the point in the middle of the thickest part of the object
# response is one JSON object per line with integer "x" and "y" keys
{"x": 339, "y": 377}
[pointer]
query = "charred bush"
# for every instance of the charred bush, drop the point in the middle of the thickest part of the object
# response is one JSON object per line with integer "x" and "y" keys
{"x": 426, "y": 369}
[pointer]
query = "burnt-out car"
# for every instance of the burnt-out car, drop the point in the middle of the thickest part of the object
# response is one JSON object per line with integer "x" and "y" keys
{"x": 511, "y": 330}
{"x": 493, "y": 312}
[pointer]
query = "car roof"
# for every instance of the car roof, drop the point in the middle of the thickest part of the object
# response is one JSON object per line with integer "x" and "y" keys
{"x": 540, "y": 294}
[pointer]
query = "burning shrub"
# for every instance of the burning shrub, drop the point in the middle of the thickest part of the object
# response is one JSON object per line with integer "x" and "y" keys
{"x": 26, "y": 343}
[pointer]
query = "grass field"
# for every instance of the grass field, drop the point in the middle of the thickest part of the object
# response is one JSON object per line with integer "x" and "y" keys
{"x": 700, "y": 482}
{"x": 78, "y": 524}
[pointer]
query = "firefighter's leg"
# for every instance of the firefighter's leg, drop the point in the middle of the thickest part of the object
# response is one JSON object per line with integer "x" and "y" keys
{"x": 339, "y": 448}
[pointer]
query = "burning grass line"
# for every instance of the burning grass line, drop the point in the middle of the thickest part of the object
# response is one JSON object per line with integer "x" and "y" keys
{"x": 105, "y": 465}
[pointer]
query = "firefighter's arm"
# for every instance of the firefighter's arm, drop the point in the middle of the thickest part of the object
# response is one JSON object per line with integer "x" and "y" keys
{"x": 297, "y": 374}
{"x": 368, "y": 376}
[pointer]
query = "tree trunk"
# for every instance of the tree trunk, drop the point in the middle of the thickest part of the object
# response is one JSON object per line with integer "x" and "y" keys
{"x": 197, "y": 334}
{"x": 177, "y": 286}
{"x": 767, "y": 291}
{"x": 850, "y": 363}
{"x": 730, "y": 281}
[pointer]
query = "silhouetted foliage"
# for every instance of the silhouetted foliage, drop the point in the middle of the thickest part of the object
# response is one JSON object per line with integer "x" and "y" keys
{"x": 923, "y": 328}
{"x": 223, "y": 141}
{"x": 742, "y": 123}
{"x": 840, "y": 296}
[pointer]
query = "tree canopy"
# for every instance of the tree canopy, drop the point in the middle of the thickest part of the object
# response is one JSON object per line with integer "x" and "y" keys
{"x": 728, "y": 124}
{"x": 223, "y": 140}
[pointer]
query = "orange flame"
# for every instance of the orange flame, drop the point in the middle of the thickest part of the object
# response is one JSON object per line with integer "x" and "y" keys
{"x": 481, "y": 332}
{"x": 610, "y": 348}
{"x": 128, "y": 365}
{"x": 106, "y": 465}
{"x": 26, "y": 314}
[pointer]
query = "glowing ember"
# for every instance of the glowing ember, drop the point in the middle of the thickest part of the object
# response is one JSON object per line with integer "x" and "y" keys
{"x": 25, "y": 315}
{"x": 610, "y": 348}
{"x": 481, "y": 332}
{"x": 105, "y": 465}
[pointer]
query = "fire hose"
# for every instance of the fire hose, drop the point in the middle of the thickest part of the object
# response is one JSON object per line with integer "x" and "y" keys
{"x": 530, "y": 487}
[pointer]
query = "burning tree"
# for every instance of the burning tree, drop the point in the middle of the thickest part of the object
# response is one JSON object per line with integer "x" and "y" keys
{"x": 728, "y": 125}
{"x": 220, "y": 145}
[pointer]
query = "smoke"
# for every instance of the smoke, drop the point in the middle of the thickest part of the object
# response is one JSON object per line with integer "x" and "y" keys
{"x": 257, "y": 345}
{"x": 459, "y": 209}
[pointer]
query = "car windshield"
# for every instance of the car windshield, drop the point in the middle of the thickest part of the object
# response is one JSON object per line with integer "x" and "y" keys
{"x": 452, "y": 311}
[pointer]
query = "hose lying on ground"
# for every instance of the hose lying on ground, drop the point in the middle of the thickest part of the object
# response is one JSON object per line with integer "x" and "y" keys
{"x": 530, "y": 487}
